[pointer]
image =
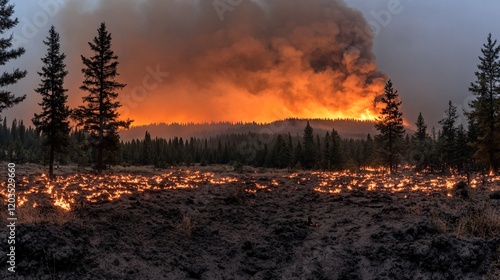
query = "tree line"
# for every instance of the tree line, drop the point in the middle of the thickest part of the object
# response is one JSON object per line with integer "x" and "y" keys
{"x": 426, "y": 152}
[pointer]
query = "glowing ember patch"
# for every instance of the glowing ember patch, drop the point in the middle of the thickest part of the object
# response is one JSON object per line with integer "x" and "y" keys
{"x": 372, "y": 180}
{"x": 21, "y": 200}
{"x": 60, "y": 202}
{"x": 259, "y": 186}
{"x": 66, "y": 191}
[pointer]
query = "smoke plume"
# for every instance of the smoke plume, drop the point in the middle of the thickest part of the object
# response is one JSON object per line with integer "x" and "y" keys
{"x": 231, "y": 60}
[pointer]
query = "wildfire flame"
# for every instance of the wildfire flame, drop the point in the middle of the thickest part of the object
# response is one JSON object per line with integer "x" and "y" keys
{"x": 267, "y": 60}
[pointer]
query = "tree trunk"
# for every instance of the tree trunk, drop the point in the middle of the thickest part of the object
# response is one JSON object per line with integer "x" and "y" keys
{"x": 390, "y": 151}
{"x": 101, "y": 128}
{"x": 492, "y": 169}
{"x": 100, "y": 148}
{"x": 51, "y": 162}
{"x": 99, "y": 159}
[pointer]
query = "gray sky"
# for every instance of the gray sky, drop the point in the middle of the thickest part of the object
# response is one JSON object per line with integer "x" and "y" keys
{"x": 428, "y": 48}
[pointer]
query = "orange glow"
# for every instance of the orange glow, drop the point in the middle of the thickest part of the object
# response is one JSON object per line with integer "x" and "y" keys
{"x": 258, "y": 66}
{"x": 244, "y": 107}
{"x": 71, "y": 191}
{"x": 373, "y": 180}
{"x": 67, "y": 192}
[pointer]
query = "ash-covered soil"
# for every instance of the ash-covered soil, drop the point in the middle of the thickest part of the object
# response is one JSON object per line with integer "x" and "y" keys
{"x": 263, "y": 226}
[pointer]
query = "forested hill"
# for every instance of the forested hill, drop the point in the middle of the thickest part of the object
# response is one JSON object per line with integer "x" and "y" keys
{"x": 347, "y": 128}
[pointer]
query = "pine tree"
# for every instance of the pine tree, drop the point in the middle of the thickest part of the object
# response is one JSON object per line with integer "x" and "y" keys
{"x": 98, "y": 115}
{"x": 309, "y": 154}
{"x": 421, "y": 145}
{"x": 281, "y": 160}
{"x": 19, "y": 154}
{"x": 22, "y": 131}
{"x": 407, "y": 148}
{"x": 319, "y": 154}
{"x": 325, "y": 162}
{"x": 2, "y": 141}
{"x": 336, "y": 158}
{"x": 261, "y": 157}
{"x": 298, "y": 155}
{"x": 368, "y": 151}
{"x": 391, "y": 128}
{"x": 486, "y": 107}
{"x": 225, "y": 154}
{"x": 14, "y": 133}
{"x": 434, "y": 162}
{"x": 448, "y": 134}
{"x": 53, "y": 122}
{"x": 146, "y": 155}
{"x": 160, "y": 159}
{"x": 7, "y": 99}
{"x": 288, "y": 152}
{"x": 5, "y": 133}
{"x": 461, "y": 150}
{"x": 472, "y": 135}
{"x": 357, "y": 153}
{"x": 81, "y": 148}
{"x": 421, "y": 133}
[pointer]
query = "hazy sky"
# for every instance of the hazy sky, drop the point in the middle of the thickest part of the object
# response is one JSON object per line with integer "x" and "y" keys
{"x": 428, "y": 48}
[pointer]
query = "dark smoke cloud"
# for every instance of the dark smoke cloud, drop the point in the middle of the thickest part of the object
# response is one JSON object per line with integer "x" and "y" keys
{"x": 265, "y": 60}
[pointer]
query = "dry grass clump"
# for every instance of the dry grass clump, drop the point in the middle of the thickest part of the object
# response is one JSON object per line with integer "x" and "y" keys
{"x": 472, "y": 218}
{"x": 481, "y": 221}
{"x": 52, "y": 215}
{"x": 187, "y": 225}
{"x": 442, "y": 223}
{"x": 27, "y": 214}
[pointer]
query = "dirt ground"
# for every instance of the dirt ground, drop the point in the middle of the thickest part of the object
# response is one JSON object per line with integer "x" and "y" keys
{"x": 263, "y": 224}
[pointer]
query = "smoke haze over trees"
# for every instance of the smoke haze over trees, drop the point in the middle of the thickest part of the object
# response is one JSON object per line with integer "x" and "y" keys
{"x": 312, "y": 66}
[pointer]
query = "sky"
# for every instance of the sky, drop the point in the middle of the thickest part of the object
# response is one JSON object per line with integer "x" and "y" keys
{"x": 188, "y": 62}
{"x": 430, "y": 51}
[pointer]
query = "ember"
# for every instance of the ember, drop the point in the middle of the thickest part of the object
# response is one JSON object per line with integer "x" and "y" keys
{"x": 65, "y": 191}
{"x": 68, "y": 191}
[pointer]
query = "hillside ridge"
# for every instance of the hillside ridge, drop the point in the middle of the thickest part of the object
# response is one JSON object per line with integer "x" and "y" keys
{"x": 347, "y": 128}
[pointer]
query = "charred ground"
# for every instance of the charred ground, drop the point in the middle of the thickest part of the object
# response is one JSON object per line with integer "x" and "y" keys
{"x": 257, "y": 227}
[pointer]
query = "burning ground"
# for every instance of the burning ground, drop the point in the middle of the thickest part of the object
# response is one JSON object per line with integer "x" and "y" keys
{"x": 214, "y": 223}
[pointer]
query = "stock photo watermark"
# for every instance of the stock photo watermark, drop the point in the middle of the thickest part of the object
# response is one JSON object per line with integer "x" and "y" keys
{"x": 30, "y": 26}
{"x": 265, "y": 135}
{"x": 223, "y": 6}
{"x": 382, "y": 18}
{"x": 376, "y": 21}
{"x": 462, "y": 110}
{"x": 150, "y": 82}
{"x": 11, "y": 217}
